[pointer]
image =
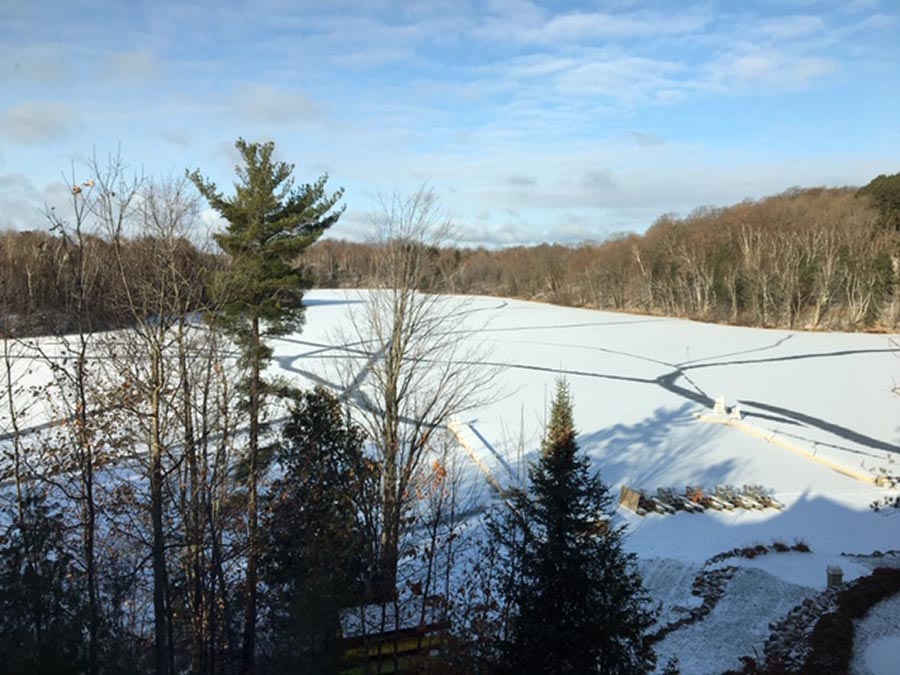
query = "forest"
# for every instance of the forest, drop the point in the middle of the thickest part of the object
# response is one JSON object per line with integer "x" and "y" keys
{"x": 809, "y": 259}
{"x": 169, "y": 506}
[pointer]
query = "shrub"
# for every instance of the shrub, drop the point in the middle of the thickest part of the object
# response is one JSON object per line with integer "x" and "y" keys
{"x": 831, "y": 645}
{"x": 857, "y": 600}
{"x": 831, "y": 642}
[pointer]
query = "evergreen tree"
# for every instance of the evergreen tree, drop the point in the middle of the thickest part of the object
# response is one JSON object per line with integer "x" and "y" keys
{"x": 270, "y": 223}
{"x": 315, "y": 562}
{"x": 884, "y": 194}
{"x": 579, "y": 603}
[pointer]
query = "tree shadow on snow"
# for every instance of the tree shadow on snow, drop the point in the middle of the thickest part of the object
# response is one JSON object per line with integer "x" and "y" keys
{"x": 827, "y": 525}
{"x": 321, "y": 302}
{"x": 648, "y": 454}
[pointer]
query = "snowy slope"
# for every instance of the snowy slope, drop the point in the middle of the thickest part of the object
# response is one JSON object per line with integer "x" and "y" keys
{"x": 637, "y": 382}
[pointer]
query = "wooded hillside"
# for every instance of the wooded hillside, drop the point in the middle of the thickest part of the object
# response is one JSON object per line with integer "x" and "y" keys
{"x": 815, "y": 258}
{"x": 45, "y": 276}
{"x": 806, "y": 259}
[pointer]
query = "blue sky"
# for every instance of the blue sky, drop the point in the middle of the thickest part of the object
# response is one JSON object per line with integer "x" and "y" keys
{"x": 562, "y": 121}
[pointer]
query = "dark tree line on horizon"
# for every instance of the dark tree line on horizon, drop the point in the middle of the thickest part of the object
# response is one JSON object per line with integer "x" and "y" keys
{"x": 805, "y": 259}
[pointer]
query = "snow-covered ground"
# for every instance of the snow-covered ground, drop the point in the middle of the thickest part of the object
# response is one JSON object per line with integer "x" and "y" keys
{"x": 637, "y": 382}
{"x": 876, "y": 644}
{"x": 737, "y": 626}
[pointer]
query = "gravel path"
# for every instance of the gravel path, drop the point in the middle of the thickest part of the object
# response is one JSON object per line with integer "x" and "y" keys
{"x": 738, "y": 625}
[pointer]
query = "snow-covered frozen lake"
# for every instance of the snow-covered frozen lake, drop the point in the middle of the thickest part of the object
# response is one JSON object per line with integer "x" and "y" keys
{"x": 637, "y": 380}
{"x": 636, "y": 383}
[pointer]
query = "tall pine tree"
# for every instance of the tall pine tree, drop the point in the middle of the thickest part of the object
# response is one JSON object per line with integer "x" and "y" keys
{"x": 579, "y": 603}
{"x": 270, "y": 223}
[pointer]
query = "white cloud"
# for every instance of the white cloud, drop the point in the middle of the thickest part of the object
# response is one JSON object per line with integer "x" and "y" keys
{"x": 761, "y": 71}
{"x": 589, "y": 26}
{"x": 22, "y": 204}
{"x": 372, "y": 56}
{"x": 877, "y": 22}
{"x": 626, "y": 78}
{"x": 545, "y": 89}
{"x": 524, "y": 23}
{"x": 791, "y": 27}
{"x": 274, "y": 106}
{"x": 37, "y": 122}
{"x": 859, "y": 5}
{"x": 211, "y": 220}
{"x": 134, "y": 66}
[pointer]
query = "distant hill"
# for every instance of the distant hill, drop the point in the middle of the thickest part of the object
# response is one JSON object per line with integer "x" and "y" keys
{"x": 806, "y": 259}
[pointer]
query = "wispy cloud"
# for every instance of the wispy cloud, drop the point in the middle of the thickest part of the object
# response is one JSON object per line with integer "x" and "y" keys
{"x": 791, "y": 27}
{"x": 22, "y": 203}
{"x": 270, "y": 105}
{"x": 765, "y": 70}
{"x": 859, "y": 5}
{"x": 626, "y": 78}
{"x": 527, "y": 23}
{"x": 38, "y": 63}
{"x": 37, "y": 122}
{"x": 641, "y": 24}
{"x": 134, "y": 66}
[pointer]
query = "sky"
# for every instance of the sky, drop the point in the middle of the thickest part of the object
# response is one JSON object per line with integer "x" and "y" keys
{"x": 531, "y": 121}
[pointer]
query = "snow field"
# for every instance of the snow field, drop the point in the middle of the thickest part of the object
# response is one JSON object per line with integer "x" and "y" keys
{"x": 876, "y": 644}
{"x": 636, "y": 382}
{"x": 737, "y": 626}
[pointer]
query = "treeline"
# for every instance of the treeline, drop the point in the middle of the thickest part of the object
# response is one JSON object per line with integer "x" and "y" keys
{"x": 166, "y": 506}
{"x": 49, "y": 279}
{"x": 806, "y": 259}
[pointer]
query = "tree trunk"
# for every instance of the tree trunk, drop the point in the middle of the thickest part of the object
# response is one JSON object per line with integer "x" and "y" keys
{"x": 160, "y": 578}
{"x": 248, "y": 660}
{"x": 14, "y": 423}
{"x": 390, "y": 532}
{"x": 89, "y": 508}
{"x": 193, "y": 517}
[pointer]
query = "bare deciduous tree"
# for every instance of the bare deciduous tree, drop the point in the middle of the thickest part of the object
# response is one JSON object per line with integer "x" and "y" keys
{"x": 158, "y": 287}
{"x": 424, "y": 363}
{"x": 74, "y": 373}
